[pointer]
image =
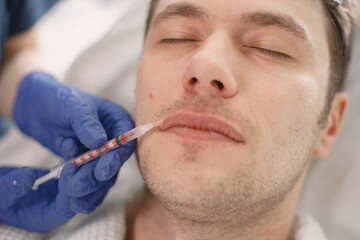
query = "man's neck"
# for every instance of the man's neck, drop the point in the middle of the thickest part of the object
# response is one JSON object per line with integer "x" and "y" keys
{"x": 153, "y": 221}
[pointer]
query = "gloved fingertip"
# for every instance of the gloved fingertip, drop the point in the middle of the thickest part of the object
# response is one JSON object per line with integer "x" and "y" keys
{"x": 66, "y": 173}
{"x": 68, "y": 170}
{"x": 69, "y": 148}
{"x": 78, "y": 190}
{"x": 84, "y": 181}
{"x": 26, "y": 177}
{"x": 87, "y": 205}
{"x": 99, "y": 141}
{"x": 102, "y": 174}
{"x": 74, "y": 206}
{"x": 20, "y": 182}
{"x": 92, "y": 134}
{"x": 109, "y": 164}
{"x": 131, "y": 146}
{"x": 95, "y": 205}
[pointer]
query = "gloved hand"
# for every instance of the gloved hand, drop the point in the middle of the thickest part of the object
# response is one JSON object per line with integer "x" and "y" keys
{"x": 69, "y": 121}
{"x": 46, "y": 208}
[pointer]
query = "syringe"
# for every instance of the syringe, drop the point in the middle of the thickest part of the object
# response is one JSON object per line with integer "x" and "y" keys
{"x": 93, "y": 154}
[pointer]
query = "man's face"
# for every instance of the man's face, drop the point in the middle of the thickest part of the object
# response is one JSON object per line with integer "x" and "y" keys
{"x": 241, "y": 86}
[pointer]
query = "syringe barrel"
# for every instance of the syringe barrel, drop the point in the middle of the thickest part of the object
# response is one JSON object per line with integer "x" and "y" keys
{"x": 93, "y": 154}
{"x": 133, "y": 134}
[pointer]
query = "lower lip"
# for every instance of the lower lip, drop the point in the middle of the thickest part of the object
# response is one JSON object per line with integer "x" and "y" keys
{"x": 197, "y": 134}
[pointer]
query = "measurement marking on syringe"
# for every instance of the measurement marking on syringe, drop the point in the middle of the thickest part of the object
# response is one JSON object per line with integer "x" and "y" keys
{"x": 93, "y": 154}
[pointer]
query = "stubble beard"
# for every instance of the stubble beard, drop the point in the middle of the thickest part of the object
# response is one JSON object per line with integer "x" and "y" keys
{"x": 240, "y": 198}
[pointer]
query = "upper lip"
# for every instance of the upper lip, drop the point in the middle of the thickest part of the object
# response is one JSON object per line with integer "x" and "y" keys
{"x": 202, "y": 122}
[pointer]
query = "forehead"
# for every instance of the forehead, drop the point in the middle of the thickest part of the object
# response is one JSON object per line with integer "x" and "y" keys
{"x": 304, "y": 9}
{"x": 304, "y": 15}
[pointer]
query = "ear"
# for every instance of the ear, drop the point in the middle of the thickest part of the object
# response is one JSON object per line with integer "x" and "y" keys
{"x": 330, "y": 132}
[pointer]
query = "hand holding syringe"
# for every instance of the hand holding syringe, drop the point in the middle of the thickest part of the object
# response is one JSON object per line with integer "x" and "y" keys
{"x": 93, "y": 154}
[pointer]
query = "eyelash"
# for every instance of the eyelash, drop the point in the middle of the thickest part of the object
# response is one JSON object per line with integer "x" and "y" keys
{"x": 274, "y": 54}
{"x": 176, "y": 40}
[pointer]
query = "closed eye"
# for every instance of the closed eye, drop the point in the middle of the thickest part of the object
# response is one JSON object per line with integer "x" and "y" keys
{"x": 273, "y": 54}
{"x": 176, "y": 40}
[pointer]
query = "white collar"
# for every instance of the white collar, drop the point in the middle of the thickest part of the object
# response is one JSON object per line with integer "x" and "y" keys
{"x": 306, "y": 228}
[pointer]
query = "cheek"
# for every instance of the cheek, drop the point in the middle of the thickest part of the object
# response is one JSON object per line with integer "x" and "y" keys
{"x": 284, "y": 108}
{"x": 156, "y": 87}
{"x": 288, "y": 100}
{"x": 143, "y": 93}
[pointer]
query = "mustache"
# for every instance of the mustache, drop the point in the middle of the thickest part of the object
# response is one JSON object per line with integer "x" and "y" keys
{"x": 208, "y": 105}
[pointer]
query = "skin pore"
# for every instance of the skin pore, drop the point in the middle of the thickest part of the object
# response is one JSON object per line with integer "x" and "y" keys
{"x": 260, "y": 67}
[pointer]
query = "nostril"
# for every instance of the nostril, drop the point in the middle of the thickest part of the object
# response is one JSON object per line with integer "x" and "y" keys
{"x": 219, "y": 84}
{"x": 193, "y": 80}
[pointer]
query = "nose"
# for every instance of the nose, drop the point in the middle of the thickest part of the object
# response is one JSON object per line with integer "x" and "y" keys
{"x": 209, "y": 72}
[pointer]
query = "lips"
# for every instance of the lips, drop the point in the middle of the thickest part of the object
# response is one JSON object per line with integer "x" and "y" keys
{"x": 201, "y": 127}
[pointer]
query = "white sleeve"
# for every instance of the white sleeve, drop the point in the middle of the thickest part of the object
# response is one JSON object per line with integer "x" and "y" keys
{"x": 306, "y": 228}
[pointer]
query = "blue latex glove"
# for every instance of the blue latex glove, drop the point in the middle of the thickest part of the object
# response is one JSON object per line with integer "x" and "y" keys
{"x": 46, "y": 208}
{"x": 69, "y": 121}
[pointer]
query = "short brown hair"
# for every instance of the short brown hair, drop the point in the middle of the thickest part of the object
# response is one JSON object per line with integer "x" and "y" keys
{"x": 342, "y": 16}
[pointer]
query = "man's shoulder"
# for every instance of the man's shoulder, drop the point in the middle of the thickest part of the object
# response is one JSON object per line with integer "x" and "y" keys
{"x": 305, "y": 227}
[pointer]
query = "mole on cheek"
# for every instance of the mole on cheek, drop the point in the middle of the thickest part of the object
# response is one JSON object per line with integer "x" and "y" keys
{"x": 151, "y": 96}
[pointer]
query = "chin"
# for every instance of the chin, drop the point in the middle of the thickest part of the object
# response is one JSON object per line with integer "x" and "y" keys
{"x": 188, "y": 179}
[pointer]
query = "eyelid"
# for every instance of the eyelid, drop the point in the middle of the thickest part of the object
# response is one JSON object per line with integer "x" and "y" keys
{"x": 270, "y": 44}
{"x": 275, "y": 48}
{"x": 274, "y": 54}
{"x": 178, "y": 33}
{"x": 176, "y": 40}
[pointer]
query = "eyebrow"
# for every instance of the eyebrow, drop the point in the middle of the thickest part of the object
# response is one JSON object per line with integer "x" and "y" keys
{"x": 260, "y": 19}
{"x": 181, "y": 10}
{"x": 266, "y": 19}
